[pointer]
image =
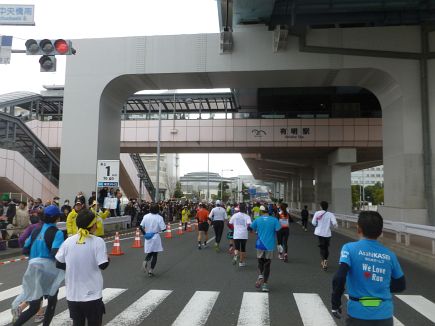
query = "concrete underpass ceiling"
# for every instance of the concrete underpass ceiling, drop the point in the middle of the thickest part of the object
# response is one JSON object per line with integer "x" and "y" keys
{"x": 279, "y": 165}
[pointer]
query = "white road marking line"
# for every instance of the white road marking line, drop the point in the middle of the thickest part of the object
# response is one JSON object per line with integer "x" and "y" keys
{"x": 198, "y": 309}
{"x": 210, "y": 240}
{"x": 13, "y": 292}
{"x": 254, "y": 309}
{"x": 140, "y": 309}
{"x": 396, "y": 322}
{"x": 420, "y": 304}
{"x": 63, "y": 318}
{"x": 312, "y": 310}
{"x": 6, "y": 316}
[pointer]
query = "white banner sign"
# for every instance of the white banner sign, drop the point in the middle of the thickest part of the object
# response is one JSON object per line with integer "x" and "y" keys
{"x": 5, "y": 49}
{"x": 108, "y": 173}
{"x": 17, "y": 15}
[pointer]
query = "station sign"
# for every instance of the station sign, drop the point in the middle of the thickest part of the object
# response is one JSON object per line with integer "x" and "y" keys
{"x": 108, "y": 173}
{"x": 17, "y": 15}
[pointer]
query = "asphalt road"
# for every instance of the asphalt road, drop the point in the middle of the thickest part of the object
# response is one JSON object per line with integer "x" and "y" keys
{"x": 202, "y": 287}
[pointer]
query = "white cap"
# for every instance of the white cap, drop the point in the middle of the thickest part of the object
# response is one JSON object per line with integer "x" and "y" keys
{"x": 263, "y": 209}
{"x": 218, "y": 202}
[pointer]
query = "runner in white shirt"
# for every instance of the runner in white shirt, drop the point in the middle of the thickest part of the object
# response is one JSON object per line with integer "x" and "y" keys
{"x": 323, "y": 220}
{"x": 241, "y": 222}
{"x": 83, "y": 256}
{"x": 217, "y": 217}
{"x": 152, "y": 223}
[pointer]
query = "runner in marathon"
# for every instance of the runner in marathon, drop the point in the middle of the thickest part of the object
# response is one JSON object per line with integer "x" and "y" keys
{"x": 371, "y": 273}
{"x": 266, "y": 227}
{"x": 283, "y": 234}
{"x": 241, "y": 222}
{"x": 256, "y": 211}
{"x": 42, "y": 278}
{"x": 217, "y": 217}
{"x": 304, "y": 218}
{"x": 323, "y": 220}
{"x": 83, "y": 256}
{"x": 152, "y": 224}
{"x": 203, "y": 225}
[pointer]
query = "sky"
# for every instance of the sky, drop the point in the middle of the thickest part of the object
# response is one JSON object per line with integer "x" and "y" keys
{"x": 94, "y": 19}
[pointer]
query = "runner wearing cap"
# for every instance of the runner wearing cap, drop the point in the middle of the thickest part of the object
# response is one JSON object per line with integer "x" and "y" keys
{"x": 71, "y": 227}
{"x": 283, "y": 234}
{"x": 266, "y": 227}
{"x": 83, "y": 256}
{"x": 217, "y": 217}
{"x": 241, "y": 222}
{"x": 42, "y": 278}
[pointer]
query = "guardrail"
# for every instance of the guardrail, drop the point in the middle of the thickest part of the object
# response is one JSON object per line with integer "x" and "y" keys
{"x": 400, "y": 229}
{"x": 123, "y": 220}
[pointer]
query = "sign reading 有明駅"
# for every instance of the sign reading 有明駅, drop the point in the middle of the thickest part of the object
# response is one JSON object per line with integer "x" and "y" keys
{"x": 108, "y": 173}
{"x": 17, "y": 14}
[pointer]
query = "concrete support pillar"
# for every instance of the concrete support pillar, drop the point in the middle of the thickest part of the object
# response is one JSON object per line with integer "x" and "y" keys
{"x": 307, "y": 188}
{"x": 341, "y": 190}
{"x": 323, "y": 184}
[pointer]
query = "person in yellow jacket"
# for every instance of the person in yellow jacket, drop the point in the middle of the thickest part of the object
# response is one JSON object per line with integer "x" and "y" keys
{"x": 71, "y": 226}
{"x": 185, "y": 214}
{"x": 101, "y": 216}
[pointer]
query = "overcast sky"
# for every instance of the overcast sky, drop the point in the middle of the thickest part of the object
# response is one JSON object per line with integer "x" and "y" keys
{"x": 90, "y": 19}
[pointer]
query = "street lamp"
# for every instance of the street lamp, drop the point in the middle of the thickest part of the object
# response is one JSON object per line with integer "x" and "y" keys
{"x": 222, "y": 183}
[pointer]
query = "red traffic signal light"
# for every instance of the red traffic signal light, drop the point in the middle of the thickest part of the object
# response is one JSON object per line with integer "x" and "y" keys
{"x": 61, "y": 46}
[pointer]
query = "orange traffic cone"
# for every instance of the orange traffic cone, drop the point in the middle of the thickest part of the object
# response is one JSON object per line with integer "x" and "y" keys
{"x": 136, "y": 242}
{"x": 116, "y": 249}
{"x": 180, "y": 229}
{"x": 168, "y": 233}
{"x": 189, "y": 227}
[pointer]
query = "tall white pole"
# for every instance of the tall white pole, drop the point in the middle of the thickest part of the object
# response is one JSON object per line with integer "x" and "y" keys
{"x": 157, "y": 195}
{"x": 208, "y": 177}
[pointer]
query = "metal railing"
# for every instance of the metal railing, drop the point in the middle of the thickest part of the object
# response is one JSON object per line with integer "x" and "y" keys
{"x": 400, "y": 229}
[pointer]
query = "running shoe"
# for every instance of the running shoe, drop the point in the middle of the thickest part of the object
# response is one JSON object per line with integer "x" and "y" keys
{"x": 285, "y": 258}
{"x": 235, "y": 258}
{"x": 264, "y": 288}
{"x": 305, "y": 229}
{"x": 259, "y": 282}
{"x": 199, "y": 247}
{"x": 150, "y": 273}
{"x": 205, "y": 245}
{"x": 325, "y": 265}
{"x": 242, "y": 264}
{"x": 38, "y": 319}
{"x": 280, "y": 256}
{"x": 145, "y": 266}
{"x": 16, "y": 312}
{"x": 216, "y": 247}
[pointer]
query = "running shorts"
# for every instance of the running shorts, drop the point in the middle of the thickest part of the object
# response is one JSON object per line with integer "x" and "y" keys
{"x": 203, "y": 226}
{"x": 91, "y": 310}
{"x": 264, "y": 254}
{"x": 240, "y": 244}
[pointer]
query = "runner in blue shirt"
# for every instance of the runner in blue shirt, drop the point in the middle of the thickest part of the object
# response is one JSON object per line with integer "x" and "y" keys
{"x": 266, "y": 227}
{"x": 371, "y": 273}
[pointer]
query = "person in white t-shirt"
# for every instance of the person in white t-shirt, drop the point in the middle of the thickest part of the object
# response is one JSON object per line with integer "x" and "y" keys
{"x": 83, "y": 256}
{"x": 217, "y": 216}
{"x": 241, "y": 222}
{"x": 323, "y": 220}
{"x": 152, "y": 224}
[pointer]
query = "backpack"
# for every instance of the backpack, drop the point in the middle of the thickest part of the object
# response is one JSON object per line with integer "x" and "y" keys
{"x": 49, "y": 235}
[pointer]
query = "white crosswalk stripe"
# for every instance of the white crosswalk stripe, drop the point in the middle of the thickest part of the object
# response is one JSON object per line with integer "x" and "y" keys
{"x": 308, "y": 303}
{"x": 63, "y": 318}
{"x": 6, "y": 316}
{"x": 420, "y": 304}
{"x": 254, "y": 309}
{"x": 140, "y": 309}
{"x": 10, "y": 293}
{"x": 198, "y": 309}
{"x": 396, "y": 322}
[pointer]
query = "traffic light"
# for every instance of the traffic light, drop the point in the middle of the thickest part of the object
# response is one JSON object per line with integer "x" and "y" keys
{"x": 49, "y": 47}
{"x": 47, "y": 63}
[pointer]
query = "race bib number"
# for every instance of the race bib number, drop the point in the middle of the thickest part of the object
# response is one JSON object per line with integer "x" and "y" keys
{"x": 283, "y": 222}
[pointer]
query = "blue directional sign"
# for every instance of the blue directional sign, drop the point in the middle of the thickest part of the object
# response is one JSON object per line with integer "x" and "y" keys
{"x": 5, "y": 49}
{"x": 17, "y": 15}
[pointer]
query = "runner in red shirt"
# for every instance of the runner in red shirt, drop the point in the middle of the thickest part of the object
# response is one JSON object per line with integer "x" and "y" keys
{"x": 203, "y": 224}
